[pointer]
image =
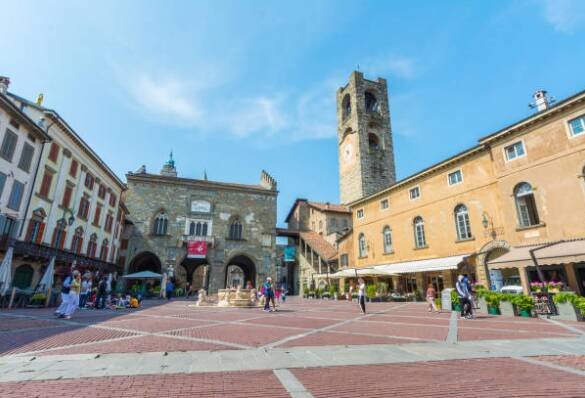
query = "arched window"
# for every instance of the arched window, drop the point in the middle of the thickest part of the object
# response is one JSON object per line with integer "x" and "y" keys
{"x": 362, "y": 245}
{"x": 387, "y": 236}
{"x": 161, "y": 223}
{"x": 373, "y": 141}
{"x": 235, "y": 230}
{"x": 462, "y": 222}
{"x": 192, "y": 228}
{"x": 419, "y": 232}
{"x": 526, "y": 205}
{"x": 371, "y": 102}
{"x": 77, "y": 240}
{"x": 104, "y": 250}
{"x": 346, "y": 106}
{"x": 23, "y": 276}
{"x": 59, "y": 234}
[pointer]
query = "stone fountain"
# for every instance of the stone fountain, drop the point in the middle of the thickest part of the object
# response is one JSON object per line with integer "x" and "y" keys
{"x": 229, "y": 298}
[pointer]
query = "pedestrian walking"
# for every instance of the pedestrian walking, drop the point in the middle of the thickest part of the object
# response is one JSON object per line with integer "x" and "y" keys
{"x": 169, "y": 288}
{"x": 464, "y": 296}
{"x": 100, "y": 299}
{"x": 268, "y": 295}
{"x": 65, "y": 290}
{"x": 283, "y": 293}
{"x": 74, "y": 291}
{"x": 86, "y": 285}
{"x": 431, "y": 295}
{"x": 362, "y": 294}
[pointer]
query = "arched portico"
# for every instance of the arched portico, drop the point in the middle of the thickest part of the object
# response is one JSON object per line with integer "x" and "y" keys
{"x": 196, "y": 273}
{"x": 247, "y": 267}
{"x": 145, "y": 261}
{"x": 489, "y": 251}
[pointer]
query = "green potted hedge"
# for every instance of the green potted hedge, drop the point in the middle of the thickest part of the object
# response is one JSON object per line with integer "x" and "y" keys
{"x": 524, "y": 304}
{"x": 506, "y": 303}
{"x": 333, "y": 291}
{"x": 455, "y": 303}
{"x": 492, "y": 300}
{"x": 571, "y": 307}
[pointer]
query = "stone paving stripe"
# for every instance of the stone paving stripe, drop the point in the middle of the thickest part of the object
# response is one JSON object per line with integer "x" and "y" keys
{"x": 294, "y": 387}
{"x": 551, "y": 365}
{"x": 564, "y": 325}
{"x": 452, "y": 335}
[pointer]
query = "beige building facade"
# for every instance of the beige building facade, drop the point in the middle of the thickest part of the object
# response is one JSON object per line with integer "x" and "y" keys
{"x": 481, "y": 211}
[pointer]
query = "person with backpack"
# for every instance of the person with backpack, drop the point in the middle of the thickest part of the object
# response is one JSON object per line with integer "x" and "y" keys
{"x": 65, "y": 290}
{"x": 464, "y": 296}
{"x": 100, "y": 301}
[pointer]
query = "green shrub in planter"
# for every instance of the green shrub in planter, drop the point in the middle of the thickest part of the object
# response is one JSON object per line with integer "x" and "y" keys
{"x": 492, "y": 300}
{"x": 371, "y": 291}
{"x": 454, "y": 298}
{"x": 332, "y": 290}
{"x": 565, "y": 297}
{"x": 306, "y": 292}
{"x": 525, "y": 304}
{"x": 383, "y": 288}
{"x": 38, "y": 298}
{"x": 438, "y": 303}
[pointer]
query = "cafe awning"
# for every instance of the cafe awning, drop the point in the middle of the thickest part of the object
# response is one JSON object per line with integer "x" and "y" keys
{"x": 432, "y": 264}
{"x": 143, "y": 275}
{"x": 358, "y": 272}
{"x": 561, "y": 252}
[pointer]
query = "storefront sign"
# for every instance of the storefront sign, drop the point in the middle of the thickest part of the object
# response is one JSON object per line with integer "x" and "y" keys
{"x": 496, "y": 279}
{"x": 196, "y": 249}
{"x": 289, "y": 254}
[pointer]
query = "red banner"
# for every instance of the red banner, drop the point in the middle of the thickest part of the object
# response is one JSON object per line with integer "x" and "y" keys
{"x": 196, "y": 249}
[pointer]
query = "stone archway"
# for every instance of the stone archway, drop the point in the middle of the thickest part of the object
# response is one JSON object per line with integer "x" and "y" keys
{"x": 247, "y": 267}
{"x": 196, "y": 273}
{"x": 145, "y": 261}
{"x": 489, "y": 251}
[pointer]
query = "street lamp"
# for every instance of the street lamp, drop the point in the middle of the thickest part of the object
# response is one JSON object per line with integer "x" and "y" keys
{"x": 71, "y": 218}
{"x": 487, "y": 221}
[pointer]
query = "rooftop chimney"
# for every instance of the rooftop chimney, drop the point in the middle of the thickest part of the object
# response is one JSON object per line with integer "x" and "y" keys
{"x": 541, "y": 101}
{"x": 4, "y": 83}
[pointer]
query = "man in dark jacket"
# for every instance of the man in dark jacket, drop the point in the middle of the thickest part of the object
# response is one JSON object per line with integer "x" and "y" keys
{"x": 100, "y": 301}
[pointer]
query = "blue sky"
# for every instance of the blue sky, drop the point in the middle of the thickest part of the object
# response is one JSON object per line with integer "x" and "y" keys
{"x": 236, "y": 87}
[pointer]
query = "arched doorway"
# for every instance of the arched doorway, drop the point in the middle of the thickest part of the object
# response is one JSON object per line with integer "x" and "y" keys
{"x": 23, "y": 276}
{"x": 489, "y": 251}
{"x": 196, "y": 273}
{"x": 240, "y": 269}
{"x": 145, "y": 261}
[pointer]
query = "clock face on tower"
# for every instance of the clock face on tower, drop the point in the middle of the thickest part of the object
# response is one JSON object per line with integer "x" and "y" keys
{"x": 347, "y": 152}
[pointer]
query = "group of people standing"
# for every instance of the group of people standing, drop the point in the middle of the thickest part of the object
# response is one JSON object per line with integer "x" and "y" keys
{"x": 271, "y": 294}
{"x": 78, "y": 292}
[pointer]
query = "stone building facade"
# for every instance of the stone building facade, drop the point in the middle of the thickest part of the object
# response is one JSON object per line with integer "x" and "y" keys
{"x": 366, "y": 156}
{"x": 236, "y": 222}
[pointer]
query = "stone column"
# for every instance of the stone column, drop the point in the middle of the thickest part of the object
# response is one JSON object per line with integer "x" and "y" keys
{"x": 572, "y": 279}
{"x": 215, "y": 278}
{"x": 524, "y": 280}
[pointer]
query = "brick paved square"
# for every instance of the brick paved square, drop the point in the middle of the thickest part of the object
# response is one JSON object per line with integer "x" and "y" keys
{"x": 570, "y": 361}
{"x": 400, "y": 330}
{"x": 338, "y": 338}
{"x": 154, "y": 325}
{"x": 295, "y": 321}
{"x": 15, "y": 324}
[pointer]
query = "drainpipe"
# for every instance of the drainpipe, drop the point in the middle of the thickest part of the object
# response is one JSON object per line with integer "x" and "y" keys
{"x": 34, "y": 181}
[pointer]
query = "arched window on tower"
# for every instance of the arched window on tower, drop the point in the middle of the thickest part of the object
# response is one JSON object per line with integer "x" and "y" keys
{"x": 371, "y": 102}
{"x": 373, "y": 142}
{"x": 462, "y": 222}
{"x": 235, "y": 230}
{"x": 346, "y": 106}
{"x": 526, "y": 205}
{"x": 161, "y": 223}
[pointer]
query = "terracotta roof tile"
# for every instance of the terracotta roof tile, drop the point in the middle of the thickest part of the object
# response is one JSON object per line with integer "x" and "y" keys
{"x": 330, "y": 207}
{"x": 325, "y": 249}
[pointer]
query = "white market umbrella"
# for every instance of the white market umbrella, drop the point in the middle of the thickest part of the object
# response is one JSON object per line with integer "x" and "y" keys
{"x": 5, "y": 274}
{"x": 47, "y": 279}
{"x": 357, "y": 272}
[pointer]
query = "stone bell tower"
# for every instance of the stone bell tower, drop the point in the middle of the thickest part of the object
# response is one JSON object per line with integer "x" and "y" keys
{"x": 366, "y": 155}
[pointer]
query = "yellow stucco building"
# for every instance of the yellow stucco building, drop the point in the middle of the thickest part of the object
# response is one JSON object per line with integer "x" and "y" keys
{"x": 520, "y": 191}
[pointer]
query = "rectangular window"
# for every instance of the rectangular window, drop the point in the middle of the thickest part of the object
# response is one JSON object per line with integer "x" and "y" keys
{"x": 414, "y": 193}
{"x": 577, "y": 125}
{"x": 26, "y": 157}
{"x": 113, "y": 200}
{"x": 89, "y": 180}
{"x": 101, "y": 191}
{"x": 360, "y": 213}
{"x": 333, "y": 223}
{"x": 46, "y": 184}
{"x": 124, "y": 244}
{"x": 97, "y": 215}
{"x": 2, "y": 182}
{"x": 8, "y": 145}
{"x": 16, "y": 195}
{"x": 109, "y": 222}
{"x": 67, "y": 196}
{"x": 514, "y": 151}
{"x": 455, "y": 177}
{"x": 344, "y": 260}
{"x": 384, "y": 204}
{"x": 83, "y": 208}
{"x": 73, "y": 168}
{"x": 54, "y": 152}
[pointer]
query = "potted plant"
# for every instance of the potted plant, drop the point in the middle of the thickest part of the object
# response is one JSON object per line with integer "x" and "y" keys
{"x": 37, "y": 300}
{"x": 306, "y": 292}
{"x": 506, "y": 303}
{"x": 524, "y": 304}
{"x": 438, "y": 303}
{"x": 333, "y": 291}
{"x": 567, "y": 306}
{"x": 492, "y": 300}
{"x": 455, "y": 301}
{"x": 371, "y": 292}
{"x": 554, "y": 287}
{"x": 537, "y": 287}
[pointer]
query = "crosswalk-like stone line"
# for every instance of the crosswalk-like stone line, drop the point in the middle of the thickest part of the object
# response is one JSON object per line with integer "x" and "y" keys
{"x": 295, "y": 388}
{"x": 551, "y": 365}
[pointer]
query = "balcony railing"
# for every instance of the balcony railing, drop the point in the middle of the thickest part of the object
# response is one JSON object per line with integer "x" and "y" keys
{"x": 45, "y": 252}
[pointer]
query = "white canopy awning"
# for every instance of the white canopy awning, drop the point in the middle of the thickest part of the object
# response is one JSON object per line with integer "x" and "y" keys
{"x": 357, "y": 272}
{"x": 433, "y": 264}
{"x": 143, "y": 275}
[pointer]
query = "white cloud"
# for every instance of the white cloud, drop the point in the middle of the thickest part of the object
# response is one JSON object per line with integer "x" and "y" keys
{"x": 392, "y": 66}
{"x": 565, "y": 16}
